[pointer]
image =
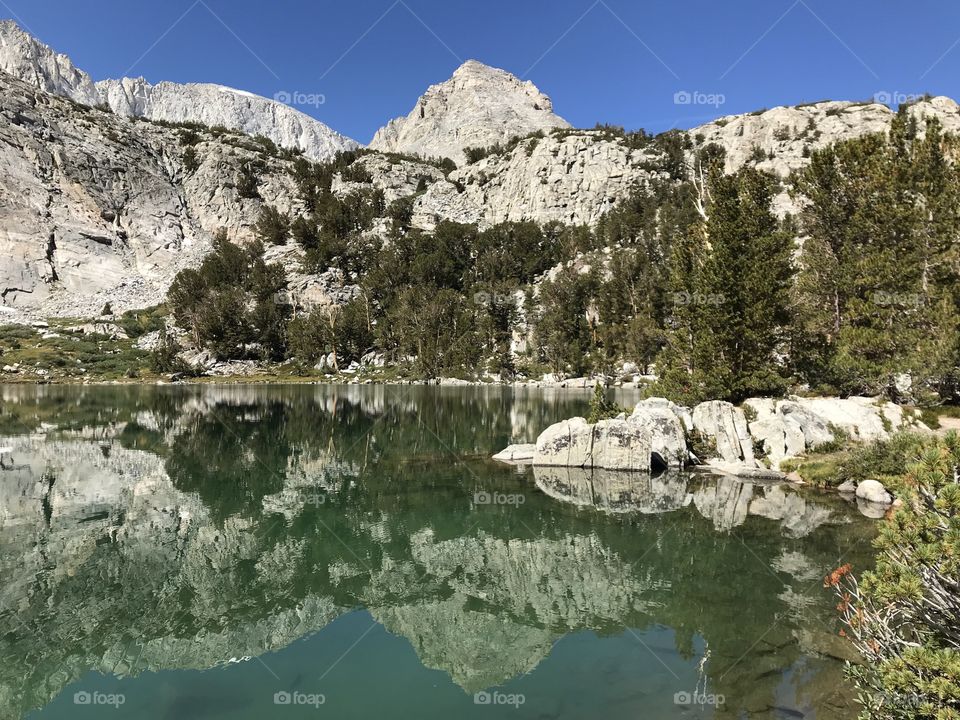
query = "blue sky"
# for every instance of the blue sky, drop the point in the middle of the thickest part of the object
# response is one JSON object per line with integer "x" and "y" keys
{"x": 617, "y": 61}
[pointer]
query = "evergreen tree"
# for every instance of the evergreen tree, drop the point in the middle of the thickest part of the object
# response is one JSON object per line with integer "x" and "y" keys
{"x": 730, "y": 280}
{"x": 876, "y": 295}
{"x": 272, "y": 226}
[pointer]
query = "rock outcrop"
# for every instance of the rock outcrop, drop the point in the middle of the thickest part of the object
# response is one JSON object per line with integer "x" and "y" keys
{"x": 216, "y": 105}
{"x": 477, "y": 107}
{"x": 26, "y": 58}
{"x": 573, "y": 177}
{"x": 726, "y": 426}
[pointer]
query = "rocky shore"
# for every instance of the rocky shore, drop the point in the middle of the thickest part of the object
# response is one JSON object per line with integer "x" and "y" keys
{"x": 747, "y": 442}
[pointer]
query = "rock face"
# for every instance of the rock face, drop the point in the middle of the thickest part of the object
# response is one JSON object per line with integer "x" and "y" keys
{"x": 788, "y": 133}
{"x": 477, "y": 107}
{"x": 573, "y": 177}
{"x": 94, "y": 207}
{"x": 218, "y": 105}
{"x": 26, "y": 58}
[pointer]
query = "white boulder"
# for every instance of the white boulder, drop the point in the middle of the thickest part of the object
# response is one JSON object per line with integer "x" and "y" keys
{"x": 727, "y": 426}
{"x": 665, "y": 422}
{"x": 610, "y": 444}
{"x": 874, "y": 492}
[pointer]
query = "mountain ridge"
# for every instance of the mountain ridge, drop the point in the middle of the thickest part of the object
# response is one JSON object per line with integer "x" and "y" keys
{"x": 29, "y": 59}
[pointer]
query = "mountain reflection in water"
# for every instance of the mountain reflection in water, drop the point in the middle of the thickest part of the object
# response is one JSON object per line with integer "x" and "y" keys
{"x": 332, "y": 539}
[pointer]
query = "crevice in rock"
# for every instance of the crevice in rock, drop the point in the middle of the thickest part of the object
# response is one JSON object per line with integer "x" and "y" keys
{"x": 51, "y": 251}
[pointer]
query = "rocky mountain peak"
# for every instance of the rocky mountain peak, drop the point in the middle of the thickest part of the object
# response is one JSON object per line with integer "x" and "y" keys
{"x": 28, "y": 59}
{"x": 478, "y": 106}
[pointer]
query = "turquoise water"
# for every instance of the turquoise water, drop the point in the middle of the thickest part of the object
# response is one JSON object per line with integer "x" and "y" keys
{"x": 352, "y": 552}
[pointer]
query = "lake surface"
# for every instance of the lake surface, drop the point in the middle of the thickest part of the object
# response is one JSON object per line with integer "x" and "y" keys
{"x": 352, "y": 552}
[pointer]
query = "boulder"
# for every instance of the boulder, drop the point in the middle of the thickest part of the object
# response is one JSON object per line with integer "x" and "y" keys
{"x": 816, "y": 431}
{"x": 664, "y": 421}
{"x": 780, "y": 435}
{"x": 610, "y": 444}
{"x": 568, "y": 443}
{"x": 874, "y": 492}
{"x": 847, "y": 488}
{"x": 727, "y": 426}
{"x": 517, "y": 453}
{"x": 621, "y": 445}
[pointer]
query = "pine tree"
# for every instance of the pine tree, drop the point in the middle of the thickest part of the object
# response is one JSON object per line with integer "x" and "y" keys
{"x": 729, "y": 281}
{"x": 876, "y": 292}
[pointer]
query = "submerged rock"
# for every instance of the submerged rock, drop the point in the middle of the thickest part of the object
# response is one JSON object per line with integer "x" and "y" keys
{"x": 517, "y": 453}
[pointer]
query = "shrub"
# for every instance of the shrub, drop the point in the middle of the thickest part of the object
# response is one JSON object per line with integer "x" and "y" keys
{"x": 904, "y": 617}
{"x": 272, "y": 226}
{"x": 191, "y": 162}
{"x": 248, "y": 183}
{"x": 600, "y": 407}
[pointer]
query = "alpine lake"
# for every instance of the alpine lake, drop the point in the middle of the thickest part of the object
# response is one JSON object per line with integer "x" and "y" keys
{"x": 317, "y": 551}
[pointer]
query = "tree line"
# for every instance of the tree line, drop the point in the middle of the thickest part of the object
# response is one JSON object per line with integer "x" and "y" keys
{"x": 693, "y": 277}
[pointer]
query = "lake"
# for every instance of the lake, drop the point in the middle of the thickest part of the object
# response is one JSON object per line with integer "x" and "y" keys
{"x": 352, "y": 552}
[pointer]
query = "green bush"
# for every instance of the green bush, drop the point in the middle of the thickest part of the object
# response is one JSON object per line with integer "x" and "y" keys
{"x": 904, "y": 617}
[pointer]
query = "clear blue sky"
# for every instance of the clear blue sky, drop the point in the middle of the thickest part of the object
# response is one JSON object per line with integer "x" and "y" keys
{"x": 616, "y": 61}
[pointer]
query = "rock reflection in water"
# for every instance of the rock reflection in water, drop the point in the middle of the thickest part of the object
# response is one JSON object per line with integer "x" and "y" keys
{"x": 143, "y": 530}
{"x": 615, "y": 491}
{"x": 726, "y": 501}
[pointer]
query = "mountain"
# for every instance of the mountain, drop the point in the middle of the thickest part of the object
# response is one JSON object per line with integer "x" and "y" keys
{"x": 477, "y": 107}
{"x": 26, "y": 58}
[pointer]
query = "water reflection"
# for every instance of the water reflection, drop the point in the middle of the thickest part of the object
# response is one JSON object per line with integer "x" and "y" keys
{"x": 151, "y": 529}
